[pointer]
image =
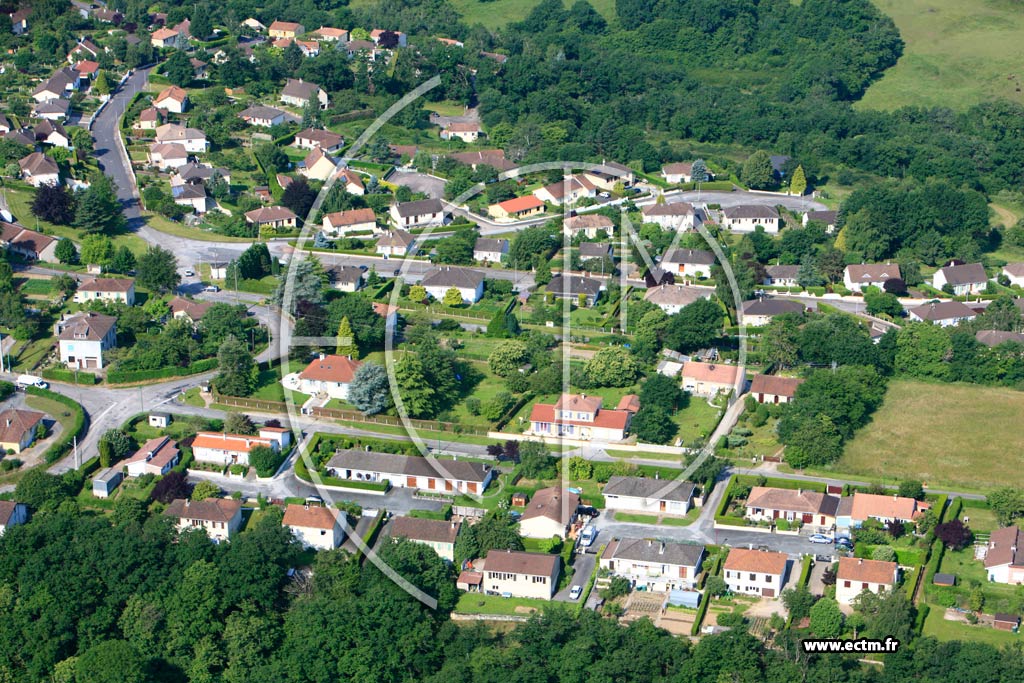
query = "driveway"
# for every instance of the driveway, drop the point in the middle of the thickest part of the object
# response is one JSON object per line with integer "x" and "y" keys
{"x": 429, "y": 185}
{"x": 583, "y": 566}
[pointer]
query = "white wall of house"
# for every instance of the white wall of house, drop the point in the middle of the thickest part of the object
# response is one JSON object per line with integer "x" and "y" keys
{"x": 754, "y": 583}
{"x": 847, "y": 590}
{"x": 469, "y": 295}
{"x": 320, "y": 539}
{"x": 521, "y": 585}
{"x": 649, "y": 505}
{"x": 338, "y": 390}
{"x": 217, "y": 531}
{"x": 80, "y": 353}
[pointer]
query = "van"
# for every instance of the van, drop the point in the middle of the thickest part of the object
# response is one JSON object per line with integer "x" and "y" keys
{"x": 588, "y": 536}
{"x": 31, "y": 381}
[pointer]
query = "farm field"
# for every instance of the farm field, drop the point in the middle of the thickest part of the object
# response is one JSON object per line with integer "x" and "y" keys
{"x": 957, "y": 54}
{"x": 947, "y": 435}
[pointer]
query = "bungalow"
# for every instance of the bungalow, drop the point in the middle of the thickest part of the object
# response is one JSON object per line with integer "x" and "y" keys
{"x": 577, "y": 416}
{"x": 591, "y": 225}
{"x": 317, "y": 165}
{"x": 219, "y": 517}
{"x": 233, "y": 449}
{"x": 82, "y": 338}
{"x": 487, "y": 250}
{"x": 352, "y": 221}
{"x": 273, "y": 217}
{"x": 197, "y": 173}
{"x": 746, "y": 218}
{"x": 964, "y": 279}
{"x": 53, "y": 88}
{"x": 49, "y": 132}
{"x": 856, "y": 575}
{"x": 167, "y": 38}
{"x": 676, "y": 216}
{"x": 567, "y": 191}
{"x": 1004, "y": 556}
{"x": 467, "y": 131}
{"x": 25, "y": 137}
{"x": 573, "y": 287}
{"x": 263, "y": 116}
{"x": 106, "y": 289}
{"x": 83, "y": 49}
{"x": 418, "y": 214}
{"x": 858, "y": 277}
{"x": 774, "y": 389}
{"x": 781, "y": 276}
{"x": 648, "y": 494}
{"x": 367, "y": 47}
{"x": 18, "y": 429}
{"x": 192, "y": 195}
{"x": 312, "y": 138}
{"x": 942, "y": 313}
{"x": 149, "y": 119}
{"x": 609, "y": 174}
{"x": 495, "y": 158}
{"x": 87, "y": 68}
{"x": 437, "y": 534}
{"x": 517, "y": 208}
{"x": 767, "y": 504}
{"x": 693, "y": 263}
{"x": 413, "y": 472}
{"x": 332, "y": 35}
{"x": 328, "y": 375}
{"x": 679, "y": 172}
{"x": 674, "y": 298}
{"x": 193, "y": 139}
{"x": 549, "y": 513}
{"x": 518, "y": 574}
{"x": 157, "y": 456}
{"x": 38, "y": 169}
{"x": 285, "y": 29}
{"x": 755, "y": 572}
{"x": 12, "y": 514}
{"x": 1014, "y": 272}
{"x": 29, "y": 244}
{"x": 760, "y": 312}
{"x": 401, "y": 40}
{"x": 595, "y": 250}
{"x": 993, "y": 338}
{"x": 315, "y": 526}
{"x": 167, "y": 155}
{"x": 709, "y": 379}
{"x": 654, "y": 565}
{"x": 346, "y": 278}
{"x": 172, "y": 99}
{"x": 468, "y": 282}
{"x": 856, "y": 509}
{"x": 298, "y": 92}
{"x": 396, "y": 243}
{"x": 826, "y": 218}
{"x": 52, "y": 110}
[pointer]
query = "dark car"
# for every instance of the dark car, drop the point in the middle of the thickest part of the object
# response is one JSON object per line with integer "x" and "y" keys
{"x": 587, "y": 511}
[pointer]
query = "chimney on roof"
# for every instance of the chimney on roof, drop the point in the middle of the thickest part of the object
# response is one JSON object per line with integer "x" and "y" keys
{"x": 187, "y": 502}
{"x": 322, "y": 356}
{"x": 799, "y": 491}
{"x": 661, "y": 548}
{"x": 860, "y": 561}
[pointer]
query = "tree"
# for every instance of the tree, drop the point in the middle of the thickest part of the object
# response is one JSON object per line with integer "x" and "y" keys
{"x": 201, "y": 27}
{"x": 236, "y": 370}
{"x": 255, "y": 262}
{"x": 878, "y": 301}
{"x": 798, "y": 183}
{"x": 452, "y": 297}
{"x": 178, "y": 69}
{"x": 128, "y": 510}
{"x": 173, "y": 486}
{"x": 266, "y": 460}
{"x": 826, "y": 619}
{"x": 699, "y": 171}
{"x": 580, "y": 468}
{"x": 97, "y": 209}
{"x": 614, "y": 366}
{"x": 954, "y": 535}
{"x": 419, "y": 396}
{"x": 39, "y": 489}
{"x": 114, "y": 445}
{"x": 66, "y": 251}
{"x": 157, "y": 270}
{"x": 1007, "y": 503}
{"x": 883, "y": 553}
{"x": 496, "y": 531}
{"x": 346, "y": 340}
{"x": 102, "y": 83}
{"x": 98, "y": 249}
{"x": 813, "y": 440}
{"x": 798, "y": 602}
{"x": 53, "y": 203}
{"x": 921, "y": 351}
{"x": 716, "y": 586}
{"x": 694, "y": 327}
{"x": 780, "y": 340}
{"x": 205, "y": 489}
{"x": 299, "y": 197}
{"x": 758, "y": 173}
{"x": 370, "y": 389}
{"x": 661, "y": 391}
{"x": 536, "y": 461}
{"x": 239, "y": 423}
{"x": 653, "y": 424}
{"x": 111, "y": 661}
{"x": 123, "y": 261}
{"x": 911, "y": 489}
{"x": 503, "y": 325}
{"x": 507, "y": 357}
{"x": 418, "y": 293}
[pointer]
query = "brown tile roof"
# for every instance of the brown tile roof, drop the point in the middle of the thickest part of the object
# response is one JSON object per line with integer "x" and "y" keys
{"x": 518, "y": 562}
{"x": 796, "y": 500}
{"x": 470, "y": 578}
{"x": 416, "y": 529}
{"x": 871, "y": 571}
{"x": 743, "y": 560}
{"x": 588, "y": 220}
{"x": 324, "y": 138}
{"x": 270, "y": 213}
{"x": 331, "y": 368}
{"x": 997, "y": 337}
{"x": 673, "y": 295}
{"x": 396, "y": 238}
{"x": 463, "y": 127}
{"x": 158, "y": 452}
{"x": 552, "y": 503}
{"x": 14, "y": 423}
{"x": 578, "y": 403}
{"x": 649, "y": 487}
{"x": 606, "y": 419}
{"x": 7, "y": 508}
{"x": 104, "y": 284}
{"x": 773, "y": 384}
{"x": 236, "y": 443}
{"x": 279, "y": 25}
{"x": 310, "y": 516}
{"x": 942, "y": 310}
{"x": 172, "y": 93}
{"x": 1005, "y": 546}
{"x": 630, "y": 402}
{"x": 90, "y": 326}
{"x": 872, "y": 272}
{"x": 679, "y": 167}
{"x": 518, "y": 204}
{"x": 209, "y": 510}
{"x": 193, "y": 309}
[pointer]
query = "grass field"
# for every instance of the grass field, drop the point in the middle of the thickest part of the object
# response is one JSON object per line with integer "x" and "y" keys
{"x": 476, "y": 603}
{"x": 937, "y": 627}
{"x": 957, "y": 54}
{"x": 500, "y": 12}
{"x": 952, "y": 435}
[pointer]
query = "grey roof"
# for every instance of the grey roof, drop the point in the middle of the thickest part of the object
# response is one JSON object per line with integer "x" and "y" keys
{"x": 675, "y": 209}
{"x": 863, "y": 273}
{"x": 826, "y": 217}
{"x": 401, "y": 465}
{"x": 345, "y": 274}
{"x": 260, "y": 112}
{"x": 518, "y": 562}
{"x": 58, "y": 106}
{"x": 772, "y": 307}
{"x": 195, "y": 171}
{"x": 453, "y": 277}
{"x": 649, "y": 550}
{"x": 750, "y": 211}
{"x": 419, "y": 529}
{"x": 943, "y": 310}
{"x": 594, "y": 249}
{"x": 573, "y": 285}
{"x": 674, "y": 295}
{"x": 89, "y": 326}
{"x": 419, "y": 208}
{"x": 997, "y": 337}
{"x": 303, "y": 90}
{"x": 782, "y": 272}
{"x": 700, "y": 256}
{"x": 966, "y": 274}
{"x": 647, "y": 487}
{"x": 491, "y": 245}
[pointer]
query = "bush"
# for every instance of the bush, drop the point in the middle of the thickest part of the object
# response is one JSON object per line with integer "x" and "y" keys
{"x": 127, "y": 376}
{"x": 70, "y": 376}
{"x": 266, "y": 460}
{"x": 78, "y": 426}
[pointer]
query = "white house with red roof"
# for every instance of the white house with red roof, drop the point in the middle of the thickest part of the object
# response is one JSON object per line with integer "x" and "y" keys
{"x": 756, "y": 572}
{"x": 156, "y": 456}
{"x": 328, "y": 375}
{"x": 233, "y": 449}
{"x": 578, "y": 416}
{"x": 315, "y": 526}
{"x": 172, "y": 99}
{"x": 856, "y": 575}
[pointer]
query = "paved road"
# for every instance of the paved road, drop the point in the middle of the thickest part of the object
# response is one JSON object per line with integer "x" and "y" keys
{"x": 583, "y": 566}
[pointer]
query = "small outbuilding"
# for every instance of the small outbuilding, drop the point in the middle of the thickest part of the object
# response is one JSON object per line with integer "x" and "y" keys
{"x": 681, "y": 598}
{"x": 104, "y": 483}
{"x": 159, "y": 420}
{"x": 944, "y": 580}
{"x": 1006, "y": 622}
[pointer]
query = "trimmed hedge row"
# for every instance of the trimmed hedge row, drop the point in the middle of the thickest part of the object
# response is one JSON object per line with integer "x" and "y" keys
{"x": 805, "y": 570}
{"x": 127, "y": 376}
{"x": 371, "y": 534}
{"x": 702, "y": 609}
{"x": 60, "y": 447}
{"x": 69, "y": 376}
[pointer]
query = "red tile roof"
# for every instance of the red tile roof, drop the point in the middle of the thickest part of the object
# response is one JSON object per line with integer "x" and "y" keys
{"x": 331, "y": 369}
{"x": 743, "y": 560}
{"x": 310, "y": 516}
{"x": 871, "y": 571}
{"x": 519, "y": 204}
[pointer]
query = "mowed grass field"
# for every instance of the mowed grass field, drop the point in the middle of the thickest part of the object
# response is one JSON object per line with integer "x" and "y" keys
{"x": 500, "y": 12}
{"x": 957, "y": 54}
{"x": 948, "y": 435}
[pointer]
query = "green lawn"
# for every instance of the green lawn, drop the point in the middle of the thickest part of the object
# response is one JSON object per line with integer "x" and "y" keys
{"x": 981, "y": 520}
{"x": 36, "y": 286}
{"x": 58, "y": 411}
{"x": 635, "y": 518}
{"x": 193, "y": 398}
{"x": 430, "y": 436}
{"x": 957, "y": 54}
{"x": 939, "y": 628}
{"x": 627, "y": 455}
{"x": 446, "y": 108}
{"x": 696, "y": 421}
{"x": 163, "y": 224}
{"x": 477, "y": 603}
{"x": 942, "y": 434}
{"x": 28, "y": 354}
{"x": 999, "y": 597}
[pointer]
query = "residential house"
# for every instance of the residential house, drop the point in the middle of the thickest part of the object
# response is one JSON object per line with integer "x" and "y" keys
{"x": 197, "y": 174}
{"x": 487, "y": 250}
{"x": 760, "y": 312}
{"x": 273, "y": 217}
{"x": 38, "y": 169}
{"x": 149, "y": 119}
{"x": 52, "y": 110}
{"x": 366, "y": 47}
{"x": 83, "y": 337}
{"x": 52, "y": 88}
{"x": 108, "y": 16}
{"x": 172, "y": 99}
{"x": 676, "y": 216}
{"x": 396, "y": 243}
{"x": 942, "y": 313}
{"x": 12, "y": 514}
{"x": 347, "y": 222}
{"x": 83, "y": 49}
{"x": 311, "y": 138}
{"x": 192, "y": 195}
{"x": 418, "y": 214}
{"x": 19, "y": 21}
{"x": 1004, "y": 556}
{"x": 106, "y": 289}
{"x": 437, "y": 534}
{"x": 746, "y": 218}
{"x": 167, "y": 38}
{"x": 649, "y": 495}
{"x": 260, "y": 115}
{"x": 674, "y": 298}
{"x": 413, "y": 472}
{"x": 856, "y": 575}
{"x": 192, "y": 139}
{"x": 774, "y": 389}
{"x": 573, "y": 287}
{"x": 5, "y": 125}
{"x": 495, "y": 158}
{"x": 332, "y": 35}
{"x": 49, "y": 132}
{"x": 25, "y": 137}
{"x": 352, "y": 182}
{"x": 167, "y": 155}
{"x": 609, "y": 173}
{"x": 400, "y": 39}
{"x": 967, "y": 278}
{"x": 709, "y": 379}
{"x": 199, "y": 69}
{"x": 812, "y": 508}
{"x": 328, "y": 375}
{"x": 189, "y": 309}
{"x": 692, "y": 263}
{"x": 826, "y": 218}
{"x": 993, "y": 338}
{"x": 755, "y": 572}
{"x": 856, "y": 509}
{"x": 285, "y": 29}
{"x": 595, "y": 250}
{"x": 781, "y": 276}
{"x": 106, "y": 481}
{"x": 567, "y": 191}
{"x": 591, "y": 225}
{"x": 858, "y": 277}
{"x": 87, "y": 69}
{"x": 346, "y": 278}
{"x": 654, "y": 565}
{"x": 298, "y": 92}
{"x": 1014, "y": 272}
{"x": 233, "y": 449}
{"x": 468, "y": 131}
{"x": 317, "y": 165}
{"x": 516, "y": 208}
{"x": 679, "y": 172}
{"x": 219, "y": 517}
{"x": 577, "y": 416}
{"x": 28, "y": 244}
{"x": 315, "y": 526}
{"x": 389, "y": 313}
{"x": 254, "y": 24}
{"x": 469, "y": 283}
{"x": 18, "y": 429}
{"x": 549, "y": 513}
{"x": 157, "y": 456}
{"x": 517, "y": 574}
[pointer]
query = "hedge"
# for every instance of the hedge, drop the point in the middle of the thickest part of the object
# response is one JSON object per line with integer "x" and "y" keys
{"x": 371, "y": 534}
{"x": 67, "y": 438}
{"x": 444, "y": 514}
{"x": 69, "y": 376}
{"x": 127, "y": 376}
{"x": 922, "y": 614}
{"x": 703, "y": 607}
{"x": 805, "y": 571}
{"x": 953, "y": 511}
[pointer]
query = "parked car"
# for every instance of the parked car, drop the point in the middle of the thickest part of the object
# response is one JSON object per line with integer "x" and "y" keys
{"x": 189, "y": 272}
{"x": 588, "y": 511}
{"x": 820, "y": 538}
{"x": 212, "y": 288}
{"x": 575, "y": 592}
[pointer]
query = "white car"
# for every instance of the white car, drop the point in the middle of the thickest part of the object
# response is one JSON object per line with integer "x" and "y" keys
{"x": 212, "y": 288}
{"x": 575, "y": 592}
{"x": 190, "y": 273}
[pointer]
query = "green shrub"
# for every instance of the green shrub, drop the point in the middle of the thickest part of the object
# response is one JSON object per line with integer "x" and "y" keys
{"x": 70, "y": 376}
{"x": 127, "y": 376}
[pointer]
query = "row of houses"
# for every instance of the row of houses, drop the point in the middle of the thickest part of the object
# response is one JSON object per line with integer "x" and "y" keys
{"x": 827, "y": 512}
